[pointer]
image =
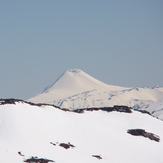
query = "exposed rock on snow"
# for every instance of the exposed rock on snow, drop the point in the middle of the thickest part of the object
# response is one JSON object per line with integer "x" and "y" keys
{"x": 53, "y": 143}
{"x": 20, "y": 153}
{"x": 14, "y": 101}
{"x": 141, "y": 132}
{"x": 144, "y": 112}
{"x": 38, "y": 160}
{"x": 124, "y": 109}
{"x": 66, "y": 145}
{"x": 97, "y": 156}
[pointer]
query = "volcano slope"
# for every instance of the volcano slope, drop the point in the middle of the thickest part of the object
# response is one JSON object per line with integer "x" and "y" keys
{"x": 42, "y": 134}
{"x": 75, "y": 89}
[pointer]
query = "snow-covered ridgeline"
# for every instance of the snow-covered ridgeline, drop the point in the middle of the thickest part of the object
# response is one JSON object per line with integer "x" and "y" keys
{"x": 136, "y": 98}
{"x": 29, "y": 130}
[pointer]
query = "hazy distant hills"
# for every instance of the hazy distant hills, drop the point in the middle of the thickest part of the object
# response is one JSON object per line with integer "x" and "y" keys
{"x": 75, "y": 89}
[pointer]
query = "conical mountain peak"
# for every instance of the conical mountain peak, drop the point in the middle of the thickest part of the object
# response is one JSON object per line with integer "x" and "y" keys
{"x": 71, "y": 82}
{"x": 75, "y": 73}
{"x": 74, "y": 81}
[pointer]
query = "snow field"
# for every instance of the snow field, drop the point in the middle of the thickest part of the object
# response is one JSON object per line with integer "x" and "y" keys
{"x": 30, "y": 129}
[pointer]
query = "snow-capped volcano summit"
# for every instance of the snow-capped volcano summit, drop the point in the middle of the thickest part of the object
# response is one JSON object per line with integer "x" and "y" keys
{"x": 75, "y": 89}
{"x": 76, "y": 81}
{"x": 71, "y": 82}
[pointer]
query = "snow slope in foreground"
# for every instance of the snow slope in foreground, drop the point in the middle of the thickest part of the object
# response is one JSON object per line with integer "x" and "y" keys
{"x": 30, "y": 129}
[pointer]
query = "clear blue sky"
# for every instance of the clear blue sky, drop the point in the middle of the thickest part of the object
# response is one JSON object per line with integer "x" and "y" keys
{"x": 119, "y": 42}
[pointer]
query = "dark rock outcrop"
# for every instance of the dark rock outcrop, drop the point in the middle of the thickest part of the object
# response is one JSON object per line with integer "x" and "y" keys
{"x": 8, "y": 101}
{"x": 20, "y": 153}
{"x": 53, "y": 143}
{"x": 97, "y": 156}
{"x": 37, "y": 160}
{"x": 141, "y": 132}
{"x": 144, "y": 111}
{"x": 13, "y": 101}
{"x": 66, "y": 146}
{"x": 118, "y": 108}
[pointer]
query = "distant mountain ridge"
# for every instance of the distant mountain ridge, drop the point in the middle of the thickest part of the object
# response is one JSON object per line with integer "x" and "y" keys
{"x": 75, "y": 89}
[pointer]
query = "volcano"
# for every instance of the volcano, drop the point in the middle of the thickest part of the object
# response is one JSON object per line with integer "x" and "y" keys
{"x": 71, "y": 82}
{"x": 75, "y": 89}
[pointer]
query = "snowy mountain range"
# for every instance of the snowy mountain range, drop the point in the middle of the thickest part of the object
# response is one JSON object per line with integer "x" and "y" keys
{"x": 75, "y": 89}
{"x": 78, "y": 119}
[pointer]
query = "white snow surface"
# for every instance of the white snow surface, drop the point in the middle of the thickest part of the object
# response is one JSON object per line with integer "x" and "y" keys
{"x": 75, "y": 90}
{"x": 30, "y": 129}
